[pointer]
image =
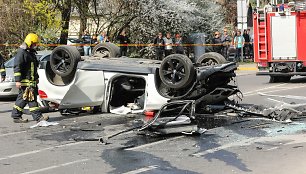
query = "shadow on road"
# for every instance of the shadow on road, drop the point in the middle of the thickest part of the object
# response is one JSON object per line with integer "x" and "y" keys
{"x": 128, "y": 161}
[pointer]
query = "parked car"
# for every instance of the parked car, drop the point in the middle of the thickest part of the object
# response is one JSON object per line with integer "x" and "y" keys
{"x": 110, "y": 84}
{"x": 8, "y": 87}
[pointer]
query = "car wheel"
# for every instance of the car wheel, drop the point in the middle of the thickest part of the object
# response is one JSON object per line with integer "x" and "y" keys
{"x": 210, "y": 59}
{"x": 106, "y": 50}
{"x": 173, "y": 94}
{"x": 64, "y": 60}
{"x": 176, "y": 71}
{"x": 285, "y": 79}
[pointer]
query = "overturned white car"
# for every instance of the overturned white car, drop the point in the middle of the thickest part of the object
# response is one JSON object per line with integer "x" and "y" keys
{"x": 70, "y": 81}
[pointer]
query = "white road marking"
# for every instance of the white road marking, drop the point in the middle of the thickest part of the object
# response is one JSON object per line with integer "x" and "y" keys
{"x": 294, "y": 139}
{"x": 272, "y": 148}
{"x": 55, "y": 166}
{"x": 154, "y": 143}
{"x": 12, "y": 133}
{"x": 276, "y": 90}
{"x": 144, "y": 169}
{"x": 257, "y": 90}
{"x": 40, "y": 150}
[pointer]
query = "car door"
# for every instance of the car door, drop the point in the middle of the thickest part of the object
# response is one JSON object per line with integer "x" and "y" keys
{"x": 88, "y": 89}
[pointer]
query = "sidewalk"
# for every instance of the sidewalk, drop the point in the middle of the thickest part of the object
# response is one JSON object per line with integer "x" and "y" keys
{"x": 251, "y": 66}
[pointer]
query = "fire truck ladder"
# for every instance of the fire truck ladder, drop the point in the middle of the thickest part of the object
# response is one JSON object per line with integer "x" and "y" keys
{"x": 262, "y": 34}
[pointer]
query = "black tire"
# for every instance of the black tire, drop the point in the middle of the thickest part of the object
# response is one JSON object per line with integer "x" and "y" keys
{"x": 176, "y": 71}
{"x": 286, "y": 78}
{"x": 106, "y": 50}
{"x": 210, "y": 59}
{"x": 64, "y": 60}
{"x": 276, "y": 79}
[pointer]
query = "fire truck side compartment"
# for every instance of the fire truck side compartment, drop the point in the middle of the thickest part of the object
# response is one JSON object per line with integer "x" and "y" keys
{"x": 289, "y": 56}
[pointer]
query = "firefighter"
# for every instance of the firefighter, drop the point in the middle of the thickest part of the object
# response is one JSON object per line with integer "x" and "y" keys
{"x": 2, "y": 69}
{"x": 26, "y": 77}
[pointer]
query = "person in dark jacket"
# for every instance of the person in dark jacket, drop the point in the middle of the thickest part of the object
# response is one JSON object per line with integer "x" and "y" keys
{"x": 26, "y": 77}
{"x": 247, "y": 40}
{"x": 87, "y": 41}
{"x": 2, "y": 69}
{"x": 123, "y": 41}
{"x": 159, "y": 44}
{"x": 178, "y": 42}
{"x": 217, "y": 43}
{"x": 226, "y": 41}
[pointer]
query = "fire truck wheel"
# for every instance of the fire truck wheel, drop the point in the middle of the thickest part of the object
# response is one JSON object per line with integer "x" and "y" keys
{"x": 106, "y": 50}
{"x": 276, "y": 79}
{"x": 64, "y": 59}
{"x": 211, "y": 58}
{"x": 176, "y": 71}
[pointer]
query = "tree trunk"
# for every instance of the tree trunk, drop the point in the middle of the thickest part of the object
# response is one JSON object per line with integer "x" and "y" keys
{"x": 66, "y": 10}
{"x": 83, "y": 9}
{"x": 83, "y": 25}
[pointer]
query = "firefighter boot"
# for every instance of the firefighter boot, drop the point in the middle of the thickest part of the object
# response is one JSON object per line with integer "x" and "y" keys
{"x": 20, "y": 120}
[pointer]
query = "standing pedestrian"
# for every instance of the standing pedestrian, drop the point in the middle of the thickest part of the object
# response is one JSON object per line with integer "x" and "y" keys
{"x": 106, "y": 38}
{"x": 101, "y": 37}
{"x": 168, "y": 44}
{"x": 238, "y": 42}
{"x": 282, "y": 8}
{"x": 26, "y": 77}
{"x": 247, "y": 39}
{"x": 178, "y": 41}
{"x": 217, "y": 43}
{"x": 159, "y": 44}
{"x": 87, "y": 43}
{"x": 251, "y": 51}
{"x": 2, "y": 69}
{"x": 234, "y": 34}
{"x": 226, "y": 41}
{"x": 123, "y": 41}
{"x": 94, "y": 40}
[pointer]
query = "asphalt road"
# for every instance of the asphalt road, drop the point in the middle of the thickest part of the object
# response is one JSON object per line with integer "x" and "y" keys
{"x": 251, "y": 145}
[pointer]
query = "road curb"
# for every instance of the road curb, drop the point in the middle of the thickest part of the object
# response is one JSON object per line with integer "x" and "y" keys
{"x": 247, "y": 69}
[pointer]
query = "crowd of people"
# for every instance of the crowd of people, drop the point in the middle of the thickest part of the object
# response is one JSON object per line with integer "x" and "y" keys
{"x": 223, "y": 43}
{"x": 164, "y": 46}
{"x": 220, "y": 43}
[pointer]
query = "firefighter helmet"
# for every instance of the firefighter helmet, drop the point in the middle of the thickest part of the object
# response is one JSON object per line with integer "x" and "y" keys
{"x": 31, "y": 39}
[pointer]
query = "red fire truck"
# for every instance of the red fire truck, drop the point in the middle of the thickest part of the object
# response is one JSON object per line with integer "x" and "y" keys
{"x": 280, "y": 42}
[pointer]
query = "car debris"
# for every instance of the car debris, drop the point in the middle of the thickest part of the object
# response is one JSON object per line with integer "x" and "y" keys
{"x": 44, "y": 123}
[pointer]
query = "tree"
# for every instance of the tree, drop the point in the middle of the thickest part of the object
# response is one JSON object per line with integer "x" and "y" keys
{"x": 83, "y": 10}
{"x": 45, "y": 20}
{"x": 18, "y": 18}
{"x": 144, "y": 18}
{"x": 64, "y": 7}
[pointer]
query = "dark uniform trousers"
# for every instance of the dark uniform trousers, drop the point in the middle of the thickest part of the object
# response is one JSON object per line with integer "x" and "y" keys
{"x": 21, "y": 103}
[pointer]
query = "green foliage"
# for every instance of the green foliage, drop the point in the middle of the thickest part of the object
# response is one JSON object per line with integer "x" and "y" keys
{"x": 45, "y": 19}
{"x": 20, "y": 17}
